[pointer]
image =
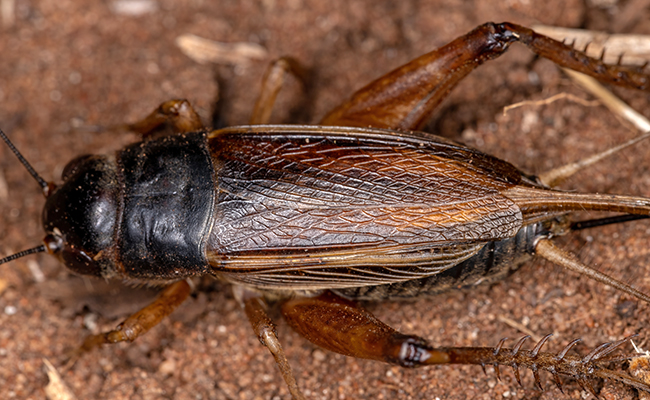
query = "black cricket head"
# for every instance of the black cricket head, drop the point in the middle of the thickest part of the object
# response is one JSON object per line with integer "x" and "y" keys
{"x": 80, "y": 214}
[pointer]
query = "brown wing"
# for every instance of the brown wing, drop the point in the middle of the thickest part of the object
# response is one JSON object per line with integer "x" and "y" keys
{"x": 335, "y": 207}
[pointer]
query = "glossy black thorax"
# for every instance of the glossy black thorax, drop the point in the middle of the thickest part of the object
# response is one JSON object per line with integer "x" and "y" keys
{"x": 168, "y": 189}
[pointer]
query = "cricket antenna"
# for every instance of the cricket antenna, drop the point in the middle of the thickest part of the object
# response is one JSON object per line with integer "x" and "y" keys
{"x": 37, "y": 249}
{"x": 47, "y": 187}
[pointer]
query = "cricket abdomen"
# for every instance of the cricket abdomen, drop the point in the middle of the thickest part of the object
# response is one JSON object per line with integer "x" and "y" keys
{"x": 493, "y": 261}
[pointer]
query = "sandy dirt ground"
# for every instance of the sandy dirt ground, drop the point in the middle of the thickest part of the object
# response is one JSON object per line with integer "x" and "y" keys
{"x": 69, "y": 68}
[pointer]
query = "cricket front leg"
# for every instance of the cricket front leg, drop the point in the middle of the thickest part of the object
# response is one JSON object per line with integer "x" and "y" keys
{"x": 140, "y": 322}
{"x": 177, "y": 115}
{"x": 406, "y": 97}
{"x": 341, "y": 326}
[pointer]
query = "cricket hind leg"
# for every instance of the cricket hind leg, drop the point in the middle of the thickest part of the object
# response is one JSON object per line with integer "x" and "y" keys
{"x": 406, "y": 97}
{"x": 340, "y": 325}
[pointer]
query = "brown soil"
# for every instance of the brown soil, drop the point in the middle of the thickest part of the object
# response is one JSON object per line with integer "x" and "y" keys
{"x": 67, "y": 67}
